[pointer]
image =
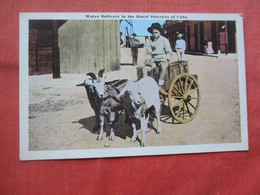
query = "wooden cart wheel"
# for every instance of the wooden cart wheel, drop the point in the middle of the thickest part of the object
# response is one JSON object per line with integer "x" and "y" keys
{"x": 184, "y": 97}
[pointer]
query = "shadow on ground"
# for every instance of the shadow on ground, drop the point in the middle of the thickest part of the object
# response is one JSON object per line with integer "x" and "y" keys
{"x": 122, "y": 129}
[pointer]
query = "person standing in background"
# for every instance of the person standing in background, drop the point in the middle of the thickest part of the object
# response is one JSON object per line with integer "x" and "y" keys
{"x": 122, "y": 43}
{"x": 180, "y": 47}
{"x": 210, "y": 48}
{"x": 134, "y": 43}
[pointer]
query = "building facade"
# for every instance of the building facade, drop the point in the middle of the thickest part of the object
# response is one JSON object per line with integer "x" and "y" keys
{"x": 73, "y": 46}
{"x": 197, "y": 33}
{"x": 43, "y": 47}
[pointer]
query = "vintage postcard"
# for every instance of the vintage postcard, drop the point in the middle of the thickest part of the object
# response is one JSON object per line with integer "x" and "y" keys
{"x": 96, "y": 85}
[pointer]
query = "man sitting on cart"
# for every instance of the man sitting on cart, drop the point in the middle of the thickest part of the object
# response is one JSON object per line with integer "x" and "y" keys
{"x": 158, "y": 53}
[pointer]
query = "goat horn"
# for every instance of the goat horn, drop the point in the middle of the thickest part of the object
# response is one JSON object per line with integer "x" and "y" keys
{"x": 100, "y": 73}
{"x": 92, "y": 75}
{"x": 81, "y": 84}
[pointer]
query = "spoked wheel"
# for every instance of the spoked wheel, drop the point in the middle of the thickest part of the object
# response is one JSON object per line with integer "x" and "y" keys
{"x": 184, "y": 97}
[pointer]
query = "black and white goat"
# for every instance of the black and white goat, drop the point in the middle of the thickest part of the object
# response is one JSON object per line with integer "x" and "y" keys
{"x": 105, "y": 102}
{"x": 94, "y": 100}
{"x": 137, "y": 98}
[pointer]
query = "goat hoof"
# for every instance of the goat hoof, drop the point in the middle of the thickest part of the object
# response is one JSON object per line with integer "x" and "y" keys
{"x": 111, "y": 138}
{"x": 142, "y": 144}
{"x": 133, "y": 139}
{"x": 99, "y": 138}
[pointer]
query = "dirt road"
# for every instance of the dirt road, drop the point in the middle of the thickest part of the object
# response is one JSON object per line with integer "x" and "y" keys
{"x": 60, "y": 116}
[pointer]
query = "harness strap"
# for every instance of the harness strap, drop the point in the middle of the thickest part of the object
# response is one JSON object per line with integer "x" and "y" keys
{"x": 144, "y": 107}
{"x": 107, "y": 97}
{"x": 114, "y": 98}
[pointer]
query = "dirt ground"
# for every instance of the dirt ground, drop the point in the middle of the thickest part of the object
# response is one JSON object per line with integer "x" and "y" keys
{"x": 60, "y": 116}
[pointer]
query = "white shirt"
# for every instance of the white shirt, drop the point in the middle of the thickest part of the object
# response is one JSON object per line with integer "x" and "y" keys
{"x": 158, "y": 49}
{"x": 180, "y": 44}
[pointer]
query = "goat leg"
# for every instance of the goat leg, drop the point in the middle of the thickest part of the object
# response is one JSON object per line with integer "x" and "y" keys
{"x": 97, "y": 125}
{"x": 127, "y": 118}
{"x": 101, "y": 133}
{"x": 144, "y": 124}
{"x": 157, "y": 113}
{"x": 133, "y": 120}
{"x": 134, "y": 131}
{"x": 112, "y": 122}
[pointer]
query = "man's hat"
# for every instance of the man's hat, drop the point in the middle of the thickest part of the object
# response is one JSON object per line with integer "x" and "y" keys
{"x": 179, "y": 35}
{"x": 155, "y": 26}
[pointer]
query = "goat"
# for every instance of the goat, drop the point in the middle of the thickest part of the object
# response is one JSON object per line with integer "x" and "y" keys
{"x": 105, "y": 103}
{"x": 110, "y": 104}
{"x": 137, "y": 98}
{"x": 93, "y": 98}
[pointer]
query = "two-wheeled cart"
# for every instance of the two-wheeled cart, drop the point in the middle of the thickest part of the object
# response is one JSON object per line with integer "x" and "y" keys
{"x": 183, "y": 91}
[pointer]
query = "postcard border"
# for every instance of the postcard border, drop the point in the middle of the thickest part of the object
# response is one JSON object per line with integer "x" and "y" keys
{"x": 25, "y": 154}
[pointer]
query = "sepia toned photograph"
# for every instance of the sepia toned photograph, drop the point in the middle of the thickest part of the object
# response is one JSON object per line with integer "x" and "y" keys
{"x": 96, "y": 85}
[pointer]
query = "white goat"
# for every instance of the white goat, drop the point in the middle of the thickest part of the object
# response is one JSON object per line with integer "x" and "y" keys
{"x": 137, "y": 98}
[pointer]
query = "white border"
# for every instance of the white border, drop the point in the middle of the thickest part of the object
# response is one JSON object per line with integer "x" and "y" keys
{"x": 25, "y": 154}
